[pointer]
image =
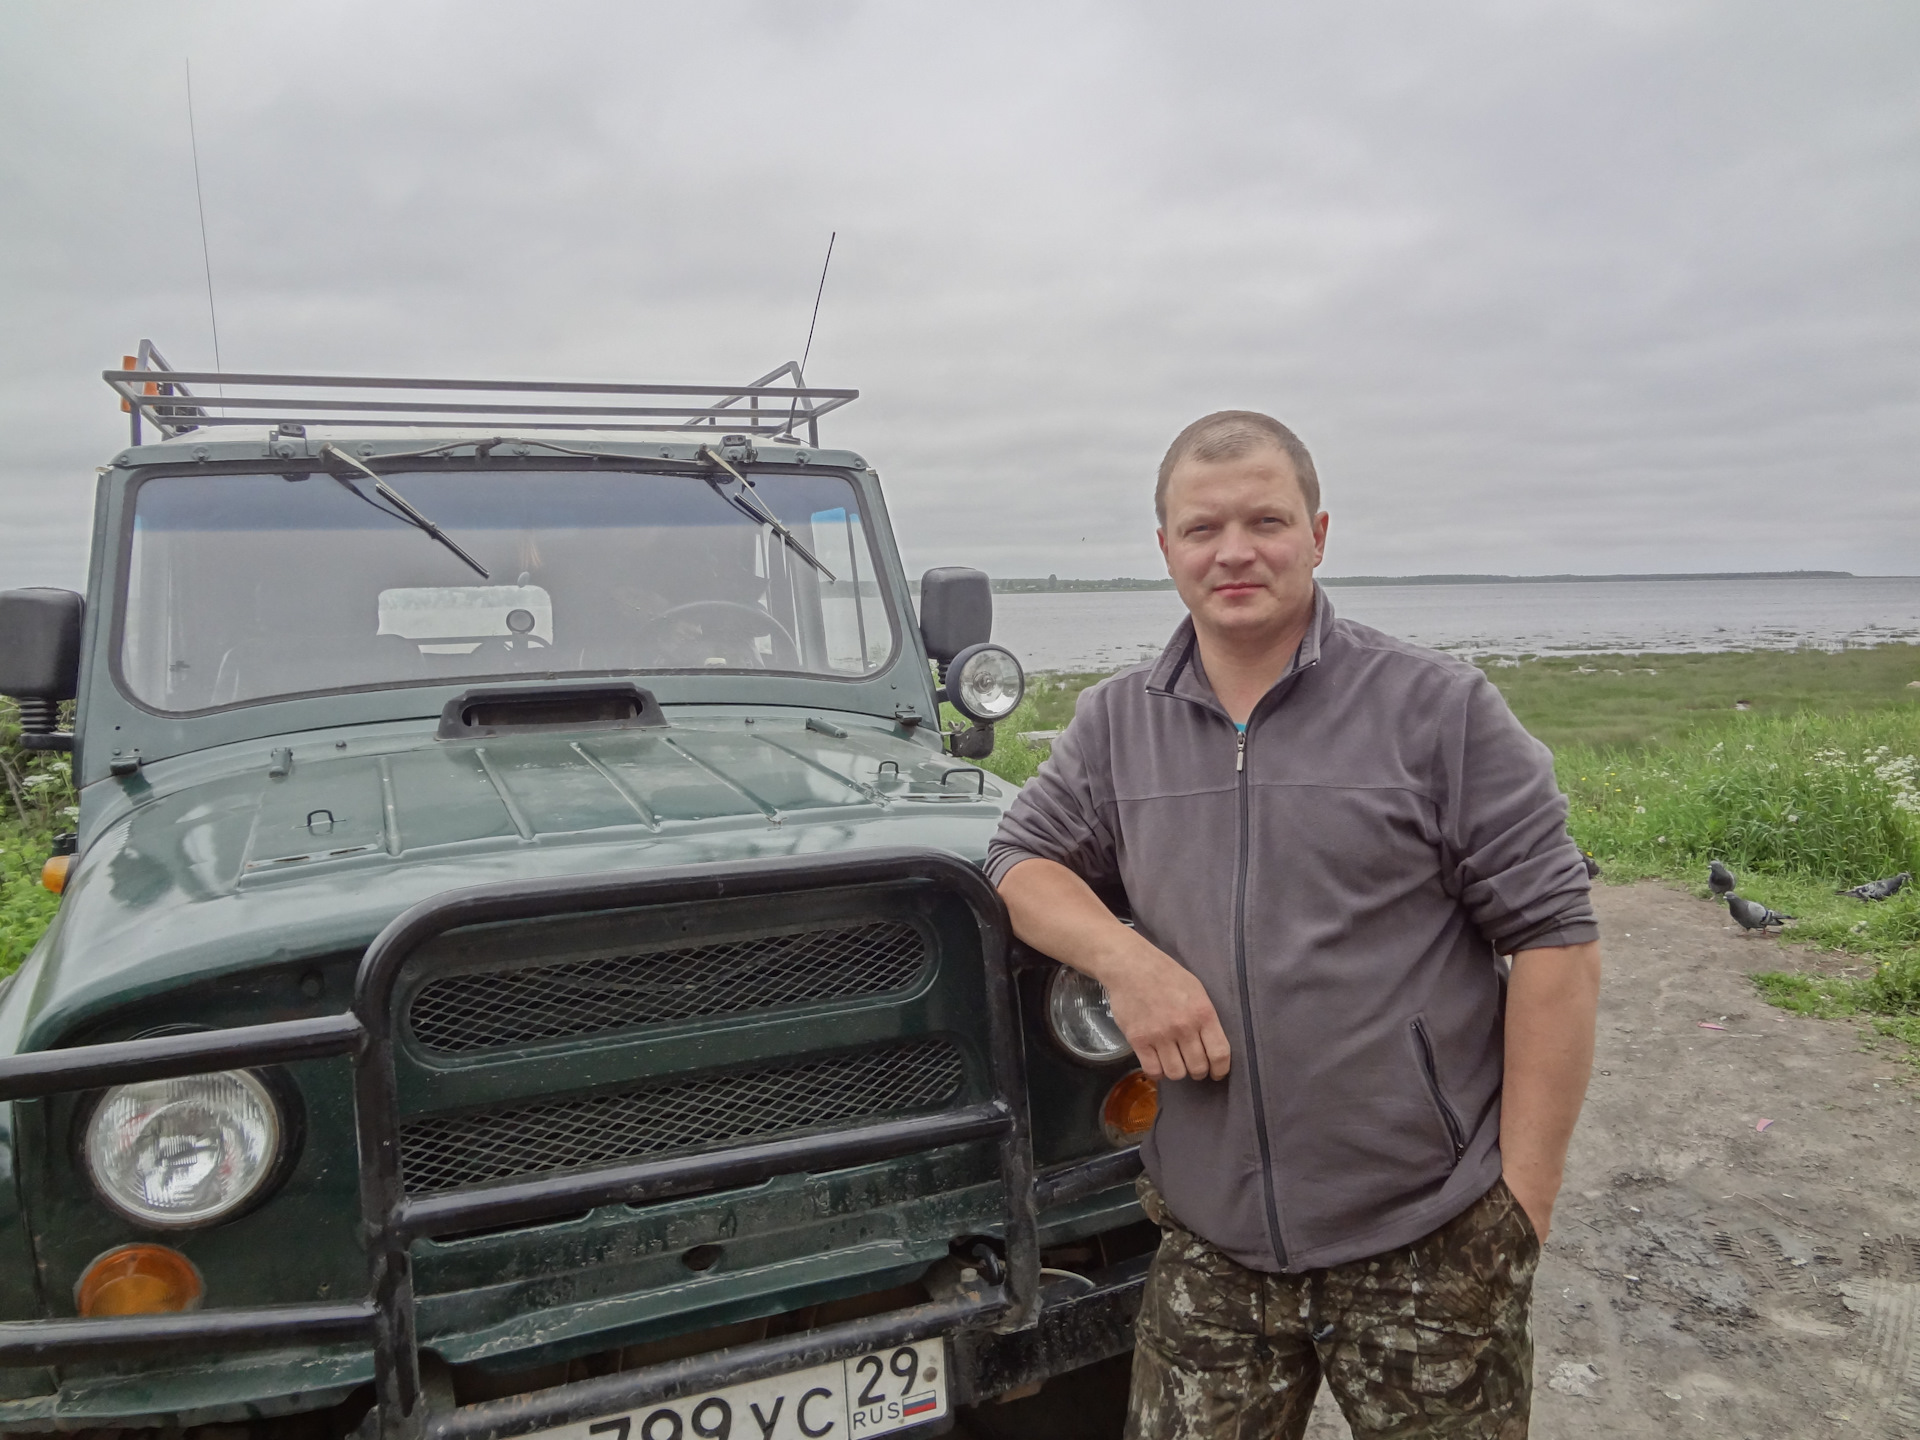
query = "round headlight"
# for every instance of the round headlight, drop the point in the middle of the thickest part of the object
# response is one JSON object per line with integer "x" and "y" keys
{"x": 985, "y": 683}
{"x": 1081, "y": 1018}
{"x": 188, "y": 1151}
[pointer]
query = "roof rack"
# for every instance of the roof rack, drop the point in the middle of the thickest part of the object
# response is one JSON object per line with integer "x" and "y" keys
{"x": 152, "y": 390}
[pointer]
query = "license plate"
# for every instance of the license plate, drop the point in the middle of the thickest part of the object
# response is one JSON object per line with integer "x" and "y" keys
{"x": 872, "y": 1394}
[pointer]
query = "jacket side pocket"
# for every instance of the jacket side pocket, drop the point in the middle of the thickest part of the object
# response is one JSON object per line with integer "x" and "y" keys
{"x": 1423, "y": 1043}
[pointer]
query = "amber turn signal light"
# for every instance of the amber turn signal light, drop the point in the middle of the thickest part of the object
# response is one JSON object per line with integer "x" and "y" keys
{"x": 53, "y": 874}
{"x": 1127, "y": 1114}
{"x": 139, "y": 1280}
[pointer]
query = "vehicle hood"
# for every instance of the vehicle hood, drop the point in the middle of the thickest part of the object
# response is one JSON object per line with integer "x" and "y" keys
{"x": 311, "y": 850}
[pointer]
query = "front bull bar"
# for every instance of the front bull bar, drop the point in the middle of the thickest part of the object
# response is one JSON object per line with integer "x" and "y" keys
{"x": 391, "y": 1221}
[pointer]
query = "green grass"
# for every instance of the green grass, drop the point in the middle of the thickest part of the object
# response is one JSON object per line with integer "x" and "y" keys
{"x": 1830, "y": 797}
{"x": 1812, "y": 788}
{"x": 1052, "y": 697}
{"x": 1615, "y": 701}
{"x": 1632, "y": 701}
{"x": 25, "y": 908}
{"x": 1837, "y": 997}
{"x": 36, "y": 803}
{"x": 1800, "y": 805}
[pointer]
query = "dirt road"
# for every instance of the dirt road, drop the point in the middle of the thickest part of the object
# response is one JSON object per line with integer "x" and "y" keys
{"x": 1705, "y": 1277}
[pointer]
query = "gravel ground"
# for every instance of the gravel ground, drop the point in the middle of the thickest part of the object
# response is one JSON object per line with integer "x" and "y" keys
{"x": 1706, "y": 1277}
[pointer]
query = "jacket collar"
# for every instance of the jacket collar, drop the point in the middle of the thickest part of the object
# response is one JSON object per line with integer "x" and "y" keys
{"x": 1177, "y": 672}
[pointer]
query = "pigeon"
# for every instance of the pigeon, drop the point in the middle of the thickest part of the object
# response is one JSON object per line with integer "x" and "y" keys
{"x": 1719, "y": 879}
{"x": 1879, "y": 889}
{"x": 1752, "y": 915}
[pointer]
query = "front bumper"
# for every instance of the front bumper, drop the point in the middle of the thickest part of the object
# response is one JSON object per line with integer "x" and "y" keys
{"x": 1070, "y": 1330}
{"x": 219, "y": 1380}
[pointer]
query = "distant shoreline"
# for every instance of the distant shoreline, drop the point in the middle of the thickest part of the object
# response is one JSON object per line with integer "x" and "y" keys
{"x": 1053, "y": 585}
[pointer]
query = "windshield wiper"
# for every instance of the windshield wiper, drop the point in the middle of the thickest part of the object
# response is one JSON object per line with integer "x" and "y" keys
{"x": 402, "y": 510}
{"x": 740, "y": 495}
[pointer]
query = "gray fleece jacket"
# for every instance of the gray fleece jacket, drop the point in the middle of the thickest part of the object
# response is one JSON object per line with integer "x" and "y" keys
{"x": 1342, "y": 880}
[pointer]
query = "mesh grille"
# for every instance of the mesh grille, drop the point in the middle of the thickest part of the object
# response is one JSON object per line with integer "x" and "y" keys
{"x": 584, "y": 997}
{"x": 441, "y": 1153}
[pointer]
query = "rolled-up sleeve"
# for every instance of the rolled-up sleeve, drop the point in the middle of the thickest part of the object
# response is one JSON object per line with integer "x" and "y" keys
{"x": 1065, "y": 812}
{"x": 1509, "y": 859}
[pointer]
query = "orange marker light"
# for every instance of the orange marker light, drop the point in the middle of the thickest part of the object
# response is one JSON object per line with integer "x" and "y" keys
{"x": 53, "y": 874}
{"x": 1130, "y": 1106}
{"x": 139, "y": 1280}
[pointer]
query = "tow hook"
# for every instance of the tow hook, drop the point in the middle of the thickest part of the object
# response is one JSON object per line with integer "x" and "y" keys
{"x": 983, "y": 1256}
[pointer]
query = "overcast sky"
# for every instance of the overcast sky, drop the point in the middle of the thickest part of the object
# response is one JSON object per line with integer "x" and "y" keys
{"x": 1625, "y": 285}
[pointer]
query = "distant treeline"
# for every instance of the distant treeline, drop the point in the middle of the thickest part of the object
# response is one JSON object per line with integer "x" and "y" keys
{"x": 1053, "y": 584}
{"x": 1584, "y": 579}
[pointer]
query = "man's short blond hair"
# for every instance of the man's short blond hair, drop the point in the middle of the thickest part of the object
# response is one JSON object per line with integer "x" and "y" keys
{"x": 1228, "y": 435}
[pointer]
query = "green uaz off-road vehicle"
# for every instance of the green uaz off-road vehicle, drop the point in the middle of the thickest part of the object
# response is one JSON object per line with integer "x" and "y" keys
{"x": 524, "y": 967}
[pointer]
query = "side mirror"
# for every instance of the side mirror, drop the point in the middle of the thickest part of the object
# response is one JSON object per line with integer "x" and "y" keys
{"x": 40, "y": 659}
{"x": 982, "y": 681}
{"x": 956, "y": 610}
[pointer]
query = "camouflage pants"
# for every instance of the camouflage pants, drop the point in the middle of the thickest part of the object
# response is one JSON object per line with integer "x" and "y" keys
{"x": 1427, "y": 1340}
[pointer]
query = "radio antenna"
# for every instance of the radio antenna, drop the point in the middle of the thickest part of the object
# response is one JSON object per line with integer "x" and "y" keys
{"x": 816, "y": 301}
{"x": 800, "y": 370}
{"x": 206, "y": 255}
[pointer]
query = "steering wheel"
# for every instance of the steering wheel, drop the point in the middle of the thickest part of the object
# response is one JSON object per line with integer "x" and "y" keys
{"x": 740, "y": 614}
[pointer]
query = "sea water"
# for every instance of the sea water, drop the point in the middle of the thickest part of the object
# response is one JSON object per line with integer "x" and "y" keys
{"x": 1107, "y": 629}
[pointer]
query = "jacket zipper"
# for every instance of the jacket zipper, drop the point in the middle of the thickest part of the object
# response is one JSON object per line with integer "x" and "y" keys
{"x": 1455, "y": 1132}
{"x": 1246, "y": 1002}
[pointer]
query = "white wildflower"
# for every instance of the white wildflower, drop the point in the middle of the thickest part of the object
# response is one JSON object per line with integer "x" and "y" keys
{"x": 1900, "y": 775}
{"x": 72, "y": 812}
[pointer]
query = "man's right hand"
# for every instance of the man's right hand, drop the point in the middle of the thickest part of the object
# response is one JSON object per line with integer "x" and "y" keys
{"x": 1165, "y": 1013}
{"x": 1159, "y": 1005}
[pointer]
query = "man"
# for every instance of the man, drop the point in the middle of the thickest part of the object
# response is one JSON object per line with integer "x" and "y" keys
{"x": 1328, "y": 839}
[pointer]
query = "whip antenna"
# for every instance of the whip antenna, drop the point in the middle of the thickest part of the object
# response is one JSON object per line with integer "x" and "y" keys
{"x": 816, "y": 301}
{"x": 206, "y": 255}
{"x": 800, "y": 370}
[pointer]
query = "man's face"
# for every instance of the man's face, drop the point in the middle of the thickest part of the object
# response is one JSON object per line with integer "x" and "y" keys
{"x": 1240, "y": 545}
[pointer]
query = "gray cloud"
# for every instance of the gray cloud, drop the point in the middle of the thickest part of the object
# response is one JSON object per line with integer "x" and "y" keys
{"x": 1607, "y": 286}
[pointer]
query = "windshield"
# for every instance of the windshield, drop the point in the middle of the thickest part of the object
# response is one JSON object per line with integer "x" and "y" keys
{"x": 246, "y": 587}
